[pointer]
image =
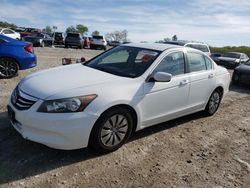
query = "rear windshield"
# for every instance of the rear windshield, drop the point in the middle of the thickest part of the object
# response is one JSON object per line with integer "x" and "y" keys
{"x": 58, "y": 34}
{"x": 73, "y": 35}
{"x": 97, "y": 37}
{"x": 200, "y": 47}
{"x": 232, "y": 55}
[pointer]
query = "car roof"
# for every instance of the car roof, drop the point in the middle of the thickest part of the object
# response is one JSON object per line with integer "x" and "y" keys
{"x": 153, "y": 46}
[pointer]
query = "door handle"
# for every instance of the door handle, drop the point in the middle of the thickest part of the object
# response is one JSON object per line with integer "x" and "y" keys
{"x": 211, "y": 75}
{"x": 184, "y": 82}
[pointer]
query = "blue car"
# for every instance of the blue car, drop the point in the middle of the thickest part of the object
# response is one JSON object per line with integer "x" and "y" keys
{"x": 15, "y": 55}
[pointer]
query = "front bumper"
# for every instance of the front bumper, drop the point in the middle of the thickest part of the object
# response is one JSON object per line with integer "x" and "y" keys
{"x": 61, "y": 131}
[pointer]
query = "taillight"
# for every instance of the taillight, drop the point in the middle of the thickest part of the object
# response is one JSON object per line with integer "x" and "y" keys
{"x": 29, "y": 48}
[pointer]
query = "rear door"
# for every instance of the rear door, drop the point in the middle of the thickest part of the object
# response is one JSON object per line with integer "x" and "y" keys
{"x": 202, "y": 79}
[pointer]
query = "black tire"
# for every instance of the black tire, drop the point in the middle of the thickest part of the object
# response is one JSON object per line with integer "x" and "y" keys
{"x": 235, "y": 78}
{"x": 8, "y": 67}
{"x": 105, "y": 48}
{"x": 66, "y": 46}
{"x": 80, "y": 46}
{"x": 118, "y": 131}
{"x": 213, "y": 103}
{"x": 42, "y": 44}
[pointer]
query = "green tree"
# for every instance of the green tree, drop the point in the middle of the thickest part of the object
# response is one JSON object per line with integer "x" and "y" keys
{"x": 94, "y": 33}
{"x": 6, "y": 24}
{"x": 47, "y": 29}
{"x": 174, "y": 38}
{"x": 71, "y": 29}
{"x": 81, "y": 28}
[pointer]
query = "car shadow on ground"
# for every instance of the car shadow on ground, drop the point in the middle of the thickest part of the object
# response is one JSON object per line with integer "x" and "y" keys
{"x": 240, "y": 88}
{"x": 20, "y": 158}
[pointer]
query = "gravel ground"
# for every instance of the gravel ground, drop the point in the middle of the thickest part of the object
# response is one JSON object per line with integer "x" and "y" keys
{"x": 193, "y": 151}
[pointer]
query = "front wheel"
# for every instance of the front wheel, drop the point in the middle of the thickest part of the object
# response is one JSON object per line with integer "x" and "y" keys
{"x": 111, "y": 130}
{"x": 213, "y": 103}
{"x": 8, "y": 67}
{"x": 42, "y": 44}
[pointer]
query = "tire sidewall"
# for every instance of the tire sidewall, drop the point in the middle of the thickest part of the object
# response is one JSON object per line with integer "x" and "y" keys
{"x": 95, "y": 138}
{"x": 17, "y": 68}
{"x": 207, "y": 107}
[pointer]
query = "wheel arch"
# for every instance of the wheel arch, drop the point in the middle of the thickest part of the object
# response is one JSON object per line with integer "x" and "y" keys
{"x": 11, "y": 57}
{"x": 131, "y": 110}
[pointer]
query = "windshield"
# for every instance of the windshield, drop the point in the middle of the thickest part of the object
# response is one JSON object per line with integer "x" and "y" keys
{"x": 124, "y": 61}
{"x": 248, "y": 62}
{"x": 232, "y": 55}
{"x": 200, "y": 47}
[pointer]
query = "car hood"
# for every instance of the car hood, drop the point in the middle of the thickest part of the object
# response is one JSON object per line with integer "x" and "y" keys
{"x": 32, "y": 38}
{"x": 229, "y": 59}
{"x": 57, "y": 80}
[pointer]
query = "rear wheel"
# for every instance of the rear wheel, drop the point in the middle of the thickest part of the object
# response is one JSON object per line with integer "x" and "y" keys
{"x": 235, "y": 78}
{"x": 8, "y": 67}
{"x": 111, "y": 130}
{"x": 213, "y": 103}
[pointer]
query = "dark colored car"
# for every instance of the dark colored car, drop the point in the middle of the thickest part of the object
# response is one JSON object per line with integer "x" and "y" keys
{"x": 231, "y": 60}
{"x": 15, "y": 55}
{"x": 242, "y": 73}
{"x": 59, "y": 38}
{"x": 215, "y": 56}
{"x": 39, "y": 39}
{"x": 29, "y": 31}
{"x": 74, "y": 39}
{"x": 114, "y": 43}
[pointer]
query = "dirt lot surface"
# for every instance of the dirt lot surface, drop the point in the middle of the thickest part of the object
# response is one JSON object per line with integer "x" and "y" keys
{"x": 193, "y": 151}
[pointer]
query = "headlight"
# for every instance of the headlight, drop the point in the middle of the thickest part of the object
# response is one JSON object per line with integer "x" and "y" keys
{"x": 74, "y": 104}
{"x": 237, "y": 61}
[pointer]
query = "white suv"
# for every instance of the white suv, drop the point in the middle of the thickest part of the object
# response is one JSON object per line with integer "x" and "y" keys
{"x": 196, "y": 45}
{"x": 98, "y": 42}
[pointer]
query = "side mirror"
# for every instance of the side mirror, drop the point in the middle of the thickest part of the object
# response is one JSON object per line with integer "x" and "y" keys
{"x": 162, "y": 77}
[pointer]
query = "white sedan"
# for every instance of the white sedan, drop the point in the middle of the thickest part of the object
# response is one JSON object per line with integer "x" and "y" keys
{"x": 101, "y": 102}
{"x": 10, "y": 33}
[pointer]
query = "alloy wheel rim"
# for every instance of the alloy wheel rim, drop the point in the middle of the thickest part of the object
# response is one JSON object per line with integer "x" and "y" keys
{"x": 7, "y": 68}
{"x": 214, "y": 102}
{"x": 114, "y": 130}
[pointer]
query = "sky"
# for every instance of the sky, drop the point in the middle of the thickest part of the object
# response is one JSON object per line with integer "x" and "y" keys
{"x": 216, "y": 22}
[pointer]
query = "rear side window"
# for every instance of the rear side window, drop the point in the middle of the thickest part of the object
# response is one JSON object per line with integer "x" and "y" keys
{"x": 196, "y": 62}
{"x": 173, "y": 64}
{"x": 209, "y": 63}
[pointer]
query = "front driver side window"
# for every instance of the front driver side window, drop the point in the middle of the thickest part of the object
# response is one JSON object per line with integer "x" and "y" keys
{"x": 173, "y": 64}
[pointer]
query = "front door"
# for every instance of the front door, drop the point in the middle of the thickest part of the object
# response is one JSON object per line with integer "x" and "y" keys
{"x": 166, "y": 100}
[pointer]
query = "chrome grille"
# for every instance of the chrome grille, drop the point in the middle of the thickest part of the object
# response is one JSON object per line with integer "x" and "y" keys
{"x": 21, "y": 100}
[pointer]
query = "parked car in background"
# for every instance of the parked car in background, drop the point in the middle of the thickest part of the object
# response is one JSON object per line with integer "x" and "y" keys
{"x": 39, "y": 39}
{"x": 128, "y": 88}
{"x": 74, "y": 39}
{"x": 10, "y": 33}
{"x": 242, "y": 74}
{"x": 232, "y": 59}
{"x": 114, "y": 43}
{"x": 18, "y": 29}
{"x": 215, "y": 56}
{"x": 196, "y": 45}
{"x": 15, "y": 55}
{"x": 98, "y": 41}
{"x": 59, "y": 38}
{"x": 86, "y": 42}
{"x": 29, "y": 31}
